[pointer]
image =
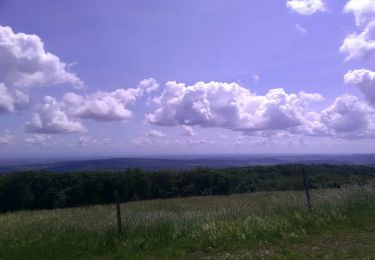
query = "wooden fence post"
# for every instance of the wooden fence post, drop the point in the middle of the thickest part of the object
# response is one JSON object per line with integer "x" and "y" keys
{"x": 306, "y": 184}
{"x": 118, "y": 211}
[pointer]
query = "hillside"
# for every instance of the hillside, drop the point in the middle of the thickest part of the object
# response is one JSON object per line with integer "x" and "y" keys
{"x": 265, "y": 224}
{"x": 180, "y": 162}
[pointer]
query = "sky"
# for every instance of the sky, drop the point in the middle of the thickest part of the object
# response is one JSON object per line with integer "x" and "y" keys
{"x": 141, "y": 77}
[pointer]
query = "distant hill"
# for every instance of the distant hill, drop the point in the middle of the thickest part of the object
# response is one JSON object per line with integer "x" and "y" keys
{"x": 185, "y": 163}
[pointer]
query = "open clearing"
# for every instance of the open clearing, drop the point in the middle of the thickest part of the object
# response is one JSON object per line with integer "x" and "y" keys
{"x": 273, "y": 225}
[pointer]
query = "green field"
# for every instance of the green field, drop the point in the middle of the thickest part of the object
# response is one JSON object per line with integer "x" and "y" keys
{"x": 273, "y": 225}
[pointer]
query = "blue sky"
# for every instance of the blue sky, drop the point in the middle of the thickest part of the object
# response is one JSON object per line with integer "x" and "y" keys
{"x": 120, "y": 78}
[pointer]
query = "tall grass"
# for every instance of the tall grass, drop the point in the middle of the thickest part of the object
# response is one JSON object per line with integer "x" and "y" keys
{"x": 181, "y": 227}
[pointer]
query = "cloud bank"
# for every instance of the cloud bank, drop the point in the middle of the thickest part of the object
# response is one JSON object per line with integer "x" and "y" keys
{"x": 62, "y": 117}
{"x": 231, "y": 106}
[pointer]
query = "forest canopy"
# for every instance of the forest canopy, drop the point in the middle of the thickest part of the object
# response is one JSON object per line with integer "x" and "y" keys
{"x": 46, "y": 190}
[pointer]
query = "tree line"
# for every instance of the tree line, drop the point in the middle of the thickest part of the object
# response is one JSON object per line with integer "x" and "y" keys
{"x": 46, "y": 190}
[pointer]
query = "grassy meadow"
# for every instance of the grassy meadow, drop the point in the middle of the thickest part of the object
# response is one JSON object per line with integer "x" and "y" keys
{"x": 274, "y": 225}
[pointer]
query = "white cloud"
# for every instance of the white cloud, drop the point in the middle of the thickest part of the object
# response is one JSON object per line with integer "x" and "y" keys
{"x": 365, "y": 80}
{"x": 188, "y": 130}
{"x": 102, "y": 106}
{"x": 310, "y": 97}
{"x": 52, "y": 119}
{"x": 12, "y": 100}
{"x": 363, "y": 10}
{"x": 300, "y": 28}
{"x": 155, "y": 133}
{"x": 149, "y": 85}
{"x": 194, "y": 142}
{"x": 39, "y": 140}
{"x": 57, "y": 117}
{"x": 360, "y": 46}
{"x": 306, "y": 7}
{"x": 89, "y": 141}
{"x": 107, "y": 106}
{"x": 229, "y": 105}
{"x": 188, "y": 142}
{"x": 24, "y": 65}
{"x": 141, "y": 141}
{"x": 6, "y": 138}
{"x": 347, "y": 115}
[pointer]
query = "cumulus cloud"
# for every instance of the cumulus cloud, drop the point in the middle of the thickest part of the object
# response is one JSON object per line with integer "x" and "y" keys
{"x": 149, "y": 85}
{"x": 89, "y": 141}
{"x": 12, "y": 100}
{"x": 39, "y": 140}
{"x": 194, "y": 142}
{"x": 365, "y": 80}
{"x": 107, "y": 106}
{"x": 52, "y": 119}
{"x": 306, "y": 7}
{"x": 363, "y": 10}
{"x": 346, "y": 115}
{"x": 188, "y": 130}
{"x": 360, "y": 46}
{"x": 102, "y": 106}
{"x": 57, "y": 117}
{"x": 25, "y": 64}
{"x": 6, "y": 138}
{"x": 141, "y": 141}
{"x": 155, "y": 133}
{"x": 228, "y": 105}
{"x": 188, "y": 142}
